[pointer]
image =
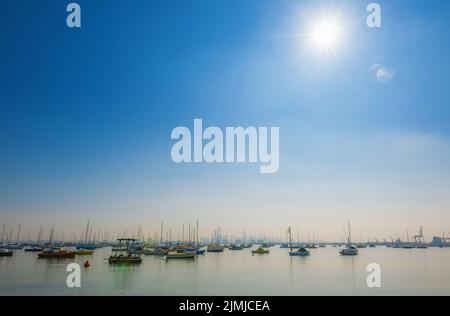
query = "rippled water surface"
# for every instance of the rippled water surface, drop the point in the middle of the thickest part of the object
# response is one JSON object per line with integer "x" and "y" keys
{"x": 325, "y": 272}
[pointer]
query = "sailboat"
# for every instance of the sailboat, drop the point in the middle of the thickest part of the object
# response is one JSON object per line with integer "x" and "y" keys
{"x": 215, "y": 247}
{"x": 4, "y": 252}
{"x": 301, "y": 252}
{"x": 260, "y": 251}
{"x": 349, "y": 250}
{"x": 16, "y": 246}
{"x": 198, "y": 250}
{"x": 37, "y": 247}
{"x": 55, "y": 252}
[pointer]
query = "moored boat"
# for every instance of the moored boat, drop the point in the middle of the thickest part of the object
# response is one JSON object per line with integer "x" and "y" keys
{"x": 302, "y": 252}
{"x": 33, "y": 249}
{"x": 84, "y": 252}
{"x": 130, "y": 258}
{"x": 180, "y": 255}
{"x": 5, "y": 253}
{"x": 260, "y": 251}
{"x": 125, "y": 256}
{"x": 155, "y": 252}
{"x": 349, "y": 250}
{"x": 215, "y": 248}
{"x": 56, "y": 254}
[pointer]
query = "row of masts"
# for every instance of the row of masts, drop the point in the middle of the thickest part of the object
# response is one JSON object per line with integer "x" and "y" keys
{"x": 189, "y": 235}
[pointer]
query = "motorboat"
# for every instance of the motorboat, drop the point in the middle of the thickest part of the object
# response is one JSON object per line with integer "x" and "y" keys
{"x": 125, "y": 256}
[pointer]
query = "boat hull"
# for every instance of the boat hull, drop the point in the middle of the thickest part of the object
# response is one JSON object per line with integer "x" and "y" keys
{"x": 33, "y": 249}
{"x": 125, "y": 260}
{"x": 181, "y": 256}
{"x": 349, "y": 253}
{"x": 215, "y": 250}
{"x": 299, "y": 254}
{"x": 63, "y": 255}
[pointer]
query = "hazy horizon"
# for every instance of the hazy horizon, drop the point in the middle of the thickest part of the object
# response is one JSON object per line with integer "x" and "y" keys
{"x": 86, "y": 117}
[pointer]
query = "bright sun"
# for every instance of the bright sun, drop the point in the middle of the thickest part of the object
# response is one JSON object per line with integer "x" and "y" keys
{"x": 325, "y": 35}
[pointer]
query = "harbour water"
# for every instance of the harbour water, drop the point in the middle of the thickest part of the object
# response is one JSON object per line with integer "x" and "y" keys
{"x": 325, "y": 272}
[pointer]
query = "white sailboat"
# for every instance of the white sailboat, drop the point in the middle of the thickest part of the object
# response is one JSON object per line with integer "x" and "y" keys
{"x": 349, "y": 250}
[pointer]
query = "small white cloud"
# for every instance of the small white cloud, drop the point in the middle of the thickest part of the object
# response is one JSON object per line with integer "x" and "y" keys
{"x": 382, "y": 73}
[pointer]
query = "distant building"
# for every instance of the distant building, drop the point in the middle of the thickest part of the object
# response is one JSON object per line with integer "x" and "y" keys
{"x": 439, "y": 242}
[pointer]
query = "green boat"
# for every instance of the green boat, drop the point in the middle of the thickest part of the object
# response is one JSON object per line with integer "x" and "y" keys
{"x": 260, "y": 251}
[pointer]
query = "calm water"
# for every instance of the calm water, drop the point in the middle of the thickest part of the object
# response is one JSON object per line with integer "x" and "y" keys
{"x": 404, "y": 272}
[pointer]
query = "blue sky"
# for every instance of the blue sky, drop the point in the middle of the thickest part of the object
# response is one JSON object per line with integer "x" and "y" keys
{"x": 86, "y": 115}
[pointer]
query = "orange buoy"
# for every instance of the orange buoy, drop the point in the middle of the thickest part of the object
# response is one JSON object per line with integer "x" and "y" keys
{"x": 87, "y": 264}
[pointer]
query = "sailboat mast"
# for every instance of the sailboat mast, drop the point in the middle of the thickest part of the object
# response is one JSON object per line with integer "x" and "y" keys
{"x": 162, "y": 227}
{"x": 197, "y": 233}
{"x": 87, "y": 231}
{"x": 3, "y": 233}
{"x": 349, "y": 234}
{"x": 290, "y": 238}
{"x": 18, "y": 235}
